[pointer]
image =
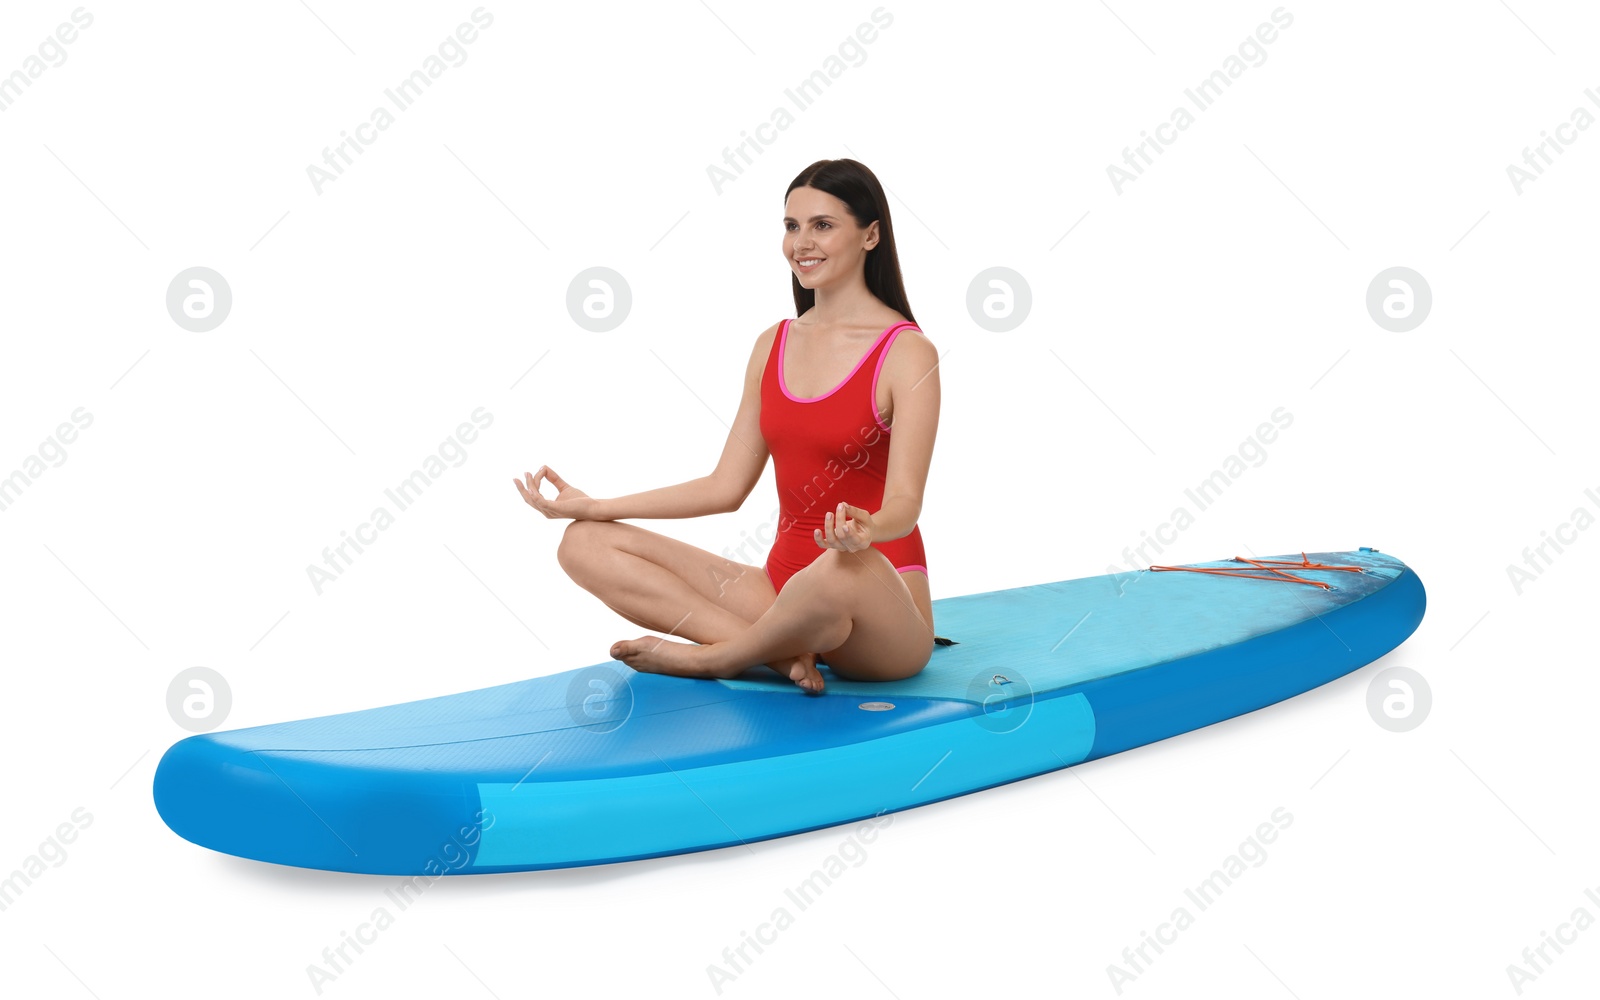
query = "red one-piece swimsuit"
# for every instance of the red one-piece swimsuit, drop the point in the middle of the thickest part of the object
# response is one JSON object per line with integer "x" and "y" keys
{"x": 825, "y": 450}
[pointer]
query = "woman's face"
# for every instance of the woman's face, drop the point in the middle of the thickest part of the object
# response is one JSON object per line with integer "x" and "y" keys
{"x": 818, "y": 227}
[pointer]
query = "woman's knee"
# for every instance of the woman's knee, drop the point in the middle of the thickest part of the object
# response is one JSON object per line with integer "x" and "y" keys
{"x": 580, "y": 542}
{"x": 823, "y": 577}
{"x": 822, "y": 567}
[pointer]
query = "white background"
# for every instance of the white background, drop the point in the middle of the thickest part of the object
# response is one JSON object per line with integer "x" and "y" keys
{"x": 372, "y": 318}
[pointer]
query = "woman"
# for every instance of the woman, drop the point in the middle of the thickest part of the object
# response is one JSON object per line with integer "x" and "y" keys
{"x": 846, "y": 582}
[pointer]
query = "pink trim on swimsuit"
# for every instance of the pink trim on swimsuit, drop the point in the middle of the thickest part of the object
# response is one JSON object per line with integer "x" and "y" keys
{"x": 906, "y": 569}
{"x": 875, "y": 372}
{"x": 783, "y": 341}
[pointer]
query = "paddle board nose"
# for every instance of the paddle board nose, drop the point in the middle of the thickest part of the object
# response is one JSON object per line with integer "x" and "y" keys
{"x": 291, "y": 808}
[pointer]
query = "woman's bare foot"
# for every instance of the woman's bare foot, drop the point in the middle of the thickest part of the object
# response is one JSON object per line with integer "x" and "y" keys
{"x": 802, "y": 670}
{"x": 652, "y": 654}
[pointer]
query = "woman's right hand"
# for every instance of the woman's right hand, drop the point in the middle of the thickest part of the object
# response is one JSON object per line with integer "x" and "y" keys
{"x": 569, "y": 502}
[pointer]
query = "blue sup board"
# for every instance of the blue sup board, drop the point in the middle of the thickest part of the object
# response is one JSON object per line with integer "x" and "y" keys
{"x": 603, "y": 764}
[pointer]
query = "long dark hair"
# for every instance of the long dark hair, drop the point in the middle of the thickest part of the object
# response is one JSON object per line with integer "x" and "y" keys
{"x": 852, "y": 183}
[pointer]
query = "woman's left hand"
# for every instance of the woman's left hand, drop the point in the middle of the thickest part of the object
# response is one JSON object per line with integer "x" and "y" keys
{"x": 846, "y": 528}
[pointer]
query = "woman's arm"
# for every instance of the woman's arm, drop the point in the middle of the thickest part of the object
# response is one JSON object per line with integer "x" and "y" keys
{"x": 913, "y": 377}
{"x": 693, "y": 498}
{"x": 744, "y": 456}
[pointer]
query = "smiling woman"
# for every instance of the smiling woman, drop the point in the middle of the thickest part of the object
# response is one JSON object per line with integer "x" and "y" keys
{"x": 846, "y": 580}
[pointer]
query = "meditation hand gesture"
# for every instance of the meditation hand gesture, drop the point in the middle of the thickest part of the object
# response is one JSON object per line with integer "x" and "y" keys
{"x": 847, "y": 528}
{"x": 569, "y": 502}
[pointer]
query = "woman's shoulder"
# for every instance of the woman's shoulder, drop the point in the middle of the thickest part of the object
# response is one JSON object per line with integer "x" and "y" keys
{"x": 760, "y": 351}
{"x": 912, "y": 353}
{"x": 765, "y": 338}
{"x": 911, "y": 334}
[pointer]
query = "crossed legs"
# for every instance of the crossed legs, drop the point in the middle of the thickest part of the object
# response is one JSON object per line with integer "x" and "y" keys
{"x": 866, "y": 620}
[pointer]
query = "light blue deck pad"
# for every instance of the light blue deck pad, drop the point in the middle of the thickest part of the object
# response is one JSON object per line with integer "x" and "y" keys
{"x": 603, "y": 764}
{"x": 1124, "y": 621}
